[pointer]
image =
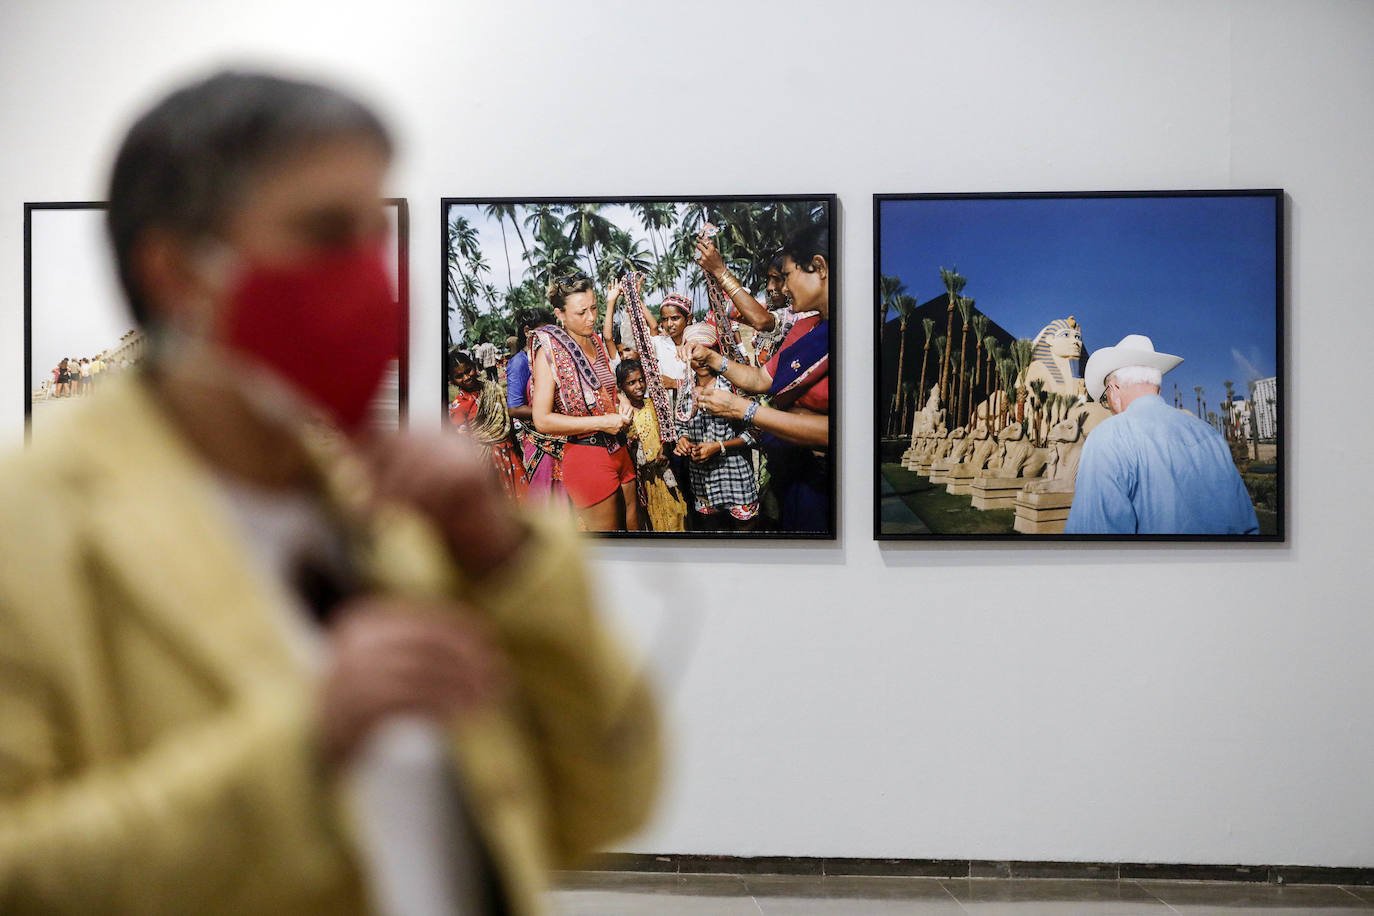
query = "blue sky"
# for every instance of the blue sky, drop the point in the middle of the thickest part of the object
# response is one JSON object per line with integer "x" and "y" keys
{"x": 1195, "y": 274}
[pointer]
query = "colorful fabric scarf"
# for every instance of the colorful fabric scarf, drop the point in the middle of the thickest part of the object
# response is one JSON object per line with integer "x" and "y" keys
{"x": 802, "y": 363}
{"x": 580, "y": 393}
{"x": 648, "y": 358}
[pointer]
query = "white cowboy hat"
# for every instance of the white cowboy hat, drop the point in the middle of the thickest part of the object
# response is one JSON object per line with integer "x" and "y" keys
{"x": 1134, "y": 350}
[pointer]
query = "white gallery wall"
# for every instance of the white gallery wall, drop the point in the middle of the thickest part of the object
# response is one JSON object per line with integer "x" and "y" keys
{"x": 1065, "y": 702}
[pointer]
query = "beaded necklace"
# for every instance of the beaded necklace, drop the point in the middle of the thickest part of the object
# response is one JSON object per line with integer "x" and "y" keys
{"x": 648, "y": 358}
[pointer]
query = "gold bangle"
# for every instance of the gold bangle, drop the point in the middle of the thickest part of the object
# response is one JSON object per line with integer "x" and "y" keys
{"x": 730, "y": 290}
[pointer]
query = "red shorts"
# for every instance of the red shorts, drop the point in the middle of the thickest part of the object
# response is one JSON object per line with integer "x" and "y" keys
{"x": 590, "y": 473}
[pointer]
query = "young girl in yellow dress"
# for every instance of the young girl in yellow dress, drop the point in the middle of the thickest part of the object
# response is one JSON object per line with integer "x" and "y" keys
{"x": 658, "y": 492}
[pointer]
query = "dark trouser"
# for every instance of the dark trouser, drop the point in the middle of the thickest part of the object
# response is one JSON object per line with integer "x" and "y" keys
{"x": 800, "y": 482}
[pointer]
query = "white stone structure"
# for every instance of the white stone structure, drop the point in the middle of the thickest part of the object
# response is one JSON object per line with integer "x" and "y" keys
{"x": 1264, "y": 394}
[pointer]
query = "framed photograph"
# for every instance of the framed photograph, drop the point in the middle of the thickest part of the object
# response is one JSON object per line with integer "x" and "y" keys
{"x": 656, "y": 366}
{"x": 78, "y": 332}
{"x": 1079, "y": 366}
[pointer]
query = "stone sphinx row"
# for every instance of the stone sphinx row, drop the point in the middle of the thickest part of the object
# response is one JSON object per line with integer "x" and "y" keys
{"x": 1006, "y": 470}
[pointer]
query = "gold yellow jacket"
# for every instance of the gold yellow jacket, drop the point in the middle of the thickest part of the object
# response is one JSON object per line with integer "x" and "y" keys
{"x": 156, "y": 744}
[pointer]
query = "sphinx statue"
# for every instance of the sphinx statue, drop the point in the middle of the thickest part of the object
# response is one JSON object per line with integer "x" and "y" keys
{"x": 961, "y": 447}
{"x": 930, "y": 417}
{"x": 984, "y": 447}
{"x": 1058, "y": 350}
{"x": 1066, "y": 447}
{"x": 1020, "y": 457}
{"x": 957, "y": 443}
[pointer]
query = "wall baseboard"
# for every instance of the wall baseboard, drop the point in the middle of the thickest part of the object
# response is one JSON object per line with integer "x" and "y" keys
{"x": 976, "y": 868}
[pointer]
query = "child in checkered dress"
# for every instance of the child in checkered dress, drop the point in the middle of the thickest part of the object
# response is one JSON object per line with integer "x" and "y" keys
{"x": 725, "y": 489}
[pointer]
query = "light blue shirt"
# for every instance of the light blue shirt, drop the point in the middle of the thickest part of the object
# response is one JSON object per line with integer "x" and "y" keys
{"x": 1153, "y": 469}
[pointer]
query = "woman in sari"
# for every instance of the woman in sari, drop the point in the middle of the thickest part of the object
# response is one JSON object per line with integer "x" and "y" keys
{"x": 795, "y": 424}
{"x": 574, "y": 396}
{"x": 478, "y": 408}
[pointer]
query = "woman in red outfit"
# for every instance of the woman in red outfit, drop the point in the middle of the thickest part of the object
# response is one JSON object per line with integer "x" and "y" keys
{"x": 574, "y": 395}
{"x": 478, "y": 408}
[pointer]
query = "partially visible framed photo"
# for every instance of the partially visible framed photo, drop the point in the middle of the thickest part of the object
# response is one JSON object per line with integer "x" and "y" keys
{"x": 656, "y": 366}
{"x": 1079, "y": 366}
{"x": 78, "y": 332}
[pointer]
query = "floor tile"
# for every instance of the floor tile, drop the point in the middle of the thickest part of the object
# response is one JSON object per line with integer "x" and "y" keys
{"x": 653, "y": 883}
{"x": 848, "y": 887}
{"x": 1054, "y": 897}
{"x": 796, "y": 906}
{"x": 1225, "y": 899}
{"x": 622, "y": 903}
{"x": 844, "y": 895}
{"x": 647, "y": 894}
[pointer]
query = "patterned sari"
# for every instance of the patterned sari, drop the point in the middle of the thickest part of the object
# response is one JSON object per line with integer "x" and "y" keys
{"x": 484, "y": 418}
{"x": 800, "y": 475}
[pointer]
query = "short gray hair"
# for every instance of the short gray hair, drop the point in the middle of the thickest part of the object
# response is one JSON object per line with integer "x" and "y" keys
{"x": 1137, "y": 375}
{"x": 184, "y": 164}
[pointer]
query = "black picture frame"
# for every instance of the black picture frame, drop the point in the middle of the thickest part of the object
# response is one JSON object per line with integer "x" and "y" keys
{"x": 1039, "y": 236}
{"x": 115, "y": 301}
{"x": 831, "y": 206}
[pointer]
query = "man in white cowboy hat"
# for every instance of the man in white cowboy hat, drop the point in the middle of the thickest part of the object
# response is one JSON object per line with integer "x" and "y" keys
{"x": 1152, "y": 469}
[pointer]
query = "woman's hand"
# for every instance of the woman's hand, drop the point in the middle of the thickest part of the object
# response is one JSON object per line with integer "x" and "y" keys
{"x": 683, "y": 447}
{"x": 701, "y": 357}
{"x": 707, "y": 450}
{"x": 613, "y": 293}
{"x": 708, "y": 257}
{"x": 615, "y": 422}
{"x": 720, "y": 403}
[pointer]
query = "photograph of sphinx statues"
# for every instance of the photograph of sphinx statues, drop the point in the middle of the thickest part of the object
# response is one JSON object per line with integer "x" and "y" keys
{"x": 1079, "y": 365}
{"x": 653, "y": 366}
{"x": 79, "y": 334}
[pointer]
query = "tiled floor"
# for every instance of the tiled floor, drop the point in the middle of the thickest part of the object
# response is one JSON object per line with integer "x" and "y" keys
{"x": 639, "y": 894}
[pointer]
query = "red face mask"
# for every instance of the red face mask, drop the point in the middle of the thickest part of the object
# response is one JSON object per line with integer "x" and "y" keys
{"x": 328, "y": 326}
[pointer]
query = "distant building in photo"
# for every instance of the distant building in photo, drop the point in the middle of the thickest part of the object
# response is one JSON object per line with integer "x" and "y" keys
{"x": 1265, "y": 398}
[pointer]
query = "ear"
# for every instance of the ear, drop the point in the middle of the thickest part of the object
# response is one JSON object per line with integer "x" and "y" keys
{"x": 164, "y": 267}
{"x": 819, "y": 266}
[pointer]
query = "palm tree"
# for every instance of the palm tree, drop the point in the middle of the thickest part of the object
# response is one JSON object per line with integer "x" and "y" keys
{"x": 1052, "y": 402}
{"x": 656, "y": 217}
{"x": 928, "y": 325}
{"x": 1006, "y": 368}
{"x": 889, "y": 288}
{"x": 541, "y": 215}
{"x": 588, "y": 230}
{"x": 965, "y": 312}
{"x": 980, "y": 330}
{"x": 1230, "y": 404}
{"x": 954, "y": 284}
{"x": 500, "y": 212}
{"x": 908, "y": 401}
{"x": 623, "y": 253}
{"x": 989, "y": 348}
{"x": 1021, "y": 352}
{"x": 551, "y": 256}
{"x": 905, "y": 306}
{"x": 1037, "y": 389}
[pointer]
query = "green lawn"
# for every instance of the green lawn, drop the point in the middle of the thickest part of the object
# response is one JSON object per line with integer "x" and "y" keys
{"x": 942, "y": 512}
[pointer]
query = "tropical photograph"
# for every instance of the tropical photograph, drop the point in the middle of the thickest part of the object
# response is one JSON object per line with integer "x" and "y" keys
{"x": 1079, "y": 365}
{"x": 654, "y": 367}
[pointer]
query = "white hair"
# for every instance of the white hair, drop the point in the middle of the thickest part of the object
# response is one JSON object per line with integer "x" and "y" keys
{"x": 1137, "y": 375}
